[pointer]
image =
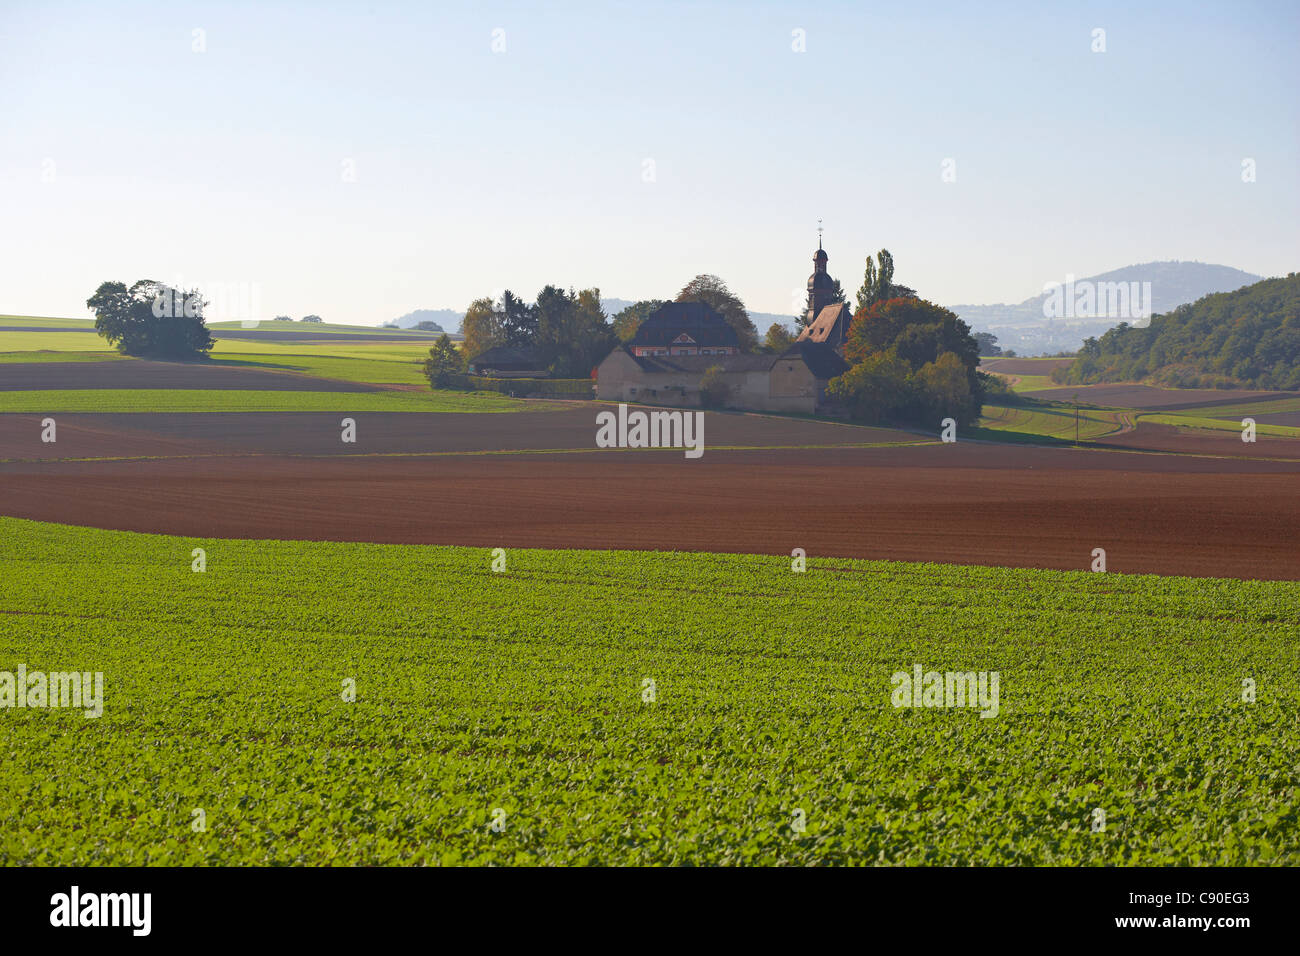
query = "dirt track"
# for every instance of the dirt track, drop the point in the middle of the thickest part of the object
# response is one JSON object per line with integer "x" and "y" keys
{"x": 965, "y": 503}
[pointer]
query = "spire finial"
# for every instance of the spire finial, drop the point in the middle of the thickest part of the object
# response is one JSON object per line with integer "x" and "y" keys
{"x": 819, "y": 233}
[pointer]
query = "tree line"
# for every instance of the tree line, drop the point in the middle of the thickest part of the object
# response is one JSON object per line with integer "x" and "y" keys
{"x": 1247, "y": 338}
{"x": 569, "y": 332}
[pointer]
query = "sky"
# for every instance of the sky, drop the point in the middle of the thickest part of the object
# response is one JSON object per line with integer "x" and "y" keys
{"x": 362, "y": 160}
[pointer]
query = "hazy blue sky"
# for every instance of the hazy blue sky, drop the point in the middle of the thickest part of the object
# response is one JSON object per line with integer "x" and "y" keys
{"x": 126, "y": 154}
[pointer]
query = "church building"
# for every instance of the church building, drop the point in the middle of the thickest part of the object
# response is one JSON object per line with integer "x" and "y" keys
{"x": 672, "y": 350}
{"x": 827, "y": 321}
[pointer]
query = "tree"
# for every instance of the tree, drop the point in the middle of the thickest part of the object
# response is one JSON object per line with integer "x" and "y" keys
{"x": 878, "y": 282}
{"x": 282, "y": 318}
{"x": 518, "y": 321}
{"x": 481, "y": 328}
{"x": 945, "y": 389}
{"x": 591, "y": 338}
{"x": 713, "y": 292}
{"x": 428, "y": 325}
{"x": 443, "y": 364}
{"x": 911, "y": 360}
{"x": 629, "y": 320}
{"x": 312, "y": 318}
{"x": 987, "y": 343}
{"x": 713, "y": 388}
{"x": 151, "y": 319}
{"x": 572, "y": 332}
{"x": 876, "y": 389}
{"x": 778, "y": 338}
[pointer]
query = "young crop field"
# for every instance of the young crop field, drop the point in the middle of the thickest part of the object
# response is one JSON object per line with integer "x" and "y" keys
{"x": 317, "y": 703}
{"x": 1051, "y": 422}
{"x": 345, "y": 359}
{"x": 1240, "y": 410}
{"x": 380, "y": 362}
{"x": 320, "y": 328}
{"x": 54, "y": 356}
{"x": 43, "y": 321}
{"x": 233, "y": 400}
{"x": 1189, "y": 420}
{"x": 14, "y": 341}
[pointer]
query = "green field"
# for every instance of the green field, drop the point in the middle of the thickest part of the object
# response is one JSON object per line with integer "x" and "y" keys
{"x": 1189, "y": 419}
{"x": 327, "y": 328}
{"x": 1056, "y": 422}
{"x": 524, "y": 691}
{"x": 43, "y": 320}
{"x": 345, "y": 359}
{"x": 106, "y": 400}
{"x": 17, "y": 343}
{"x": 370, "y": 362}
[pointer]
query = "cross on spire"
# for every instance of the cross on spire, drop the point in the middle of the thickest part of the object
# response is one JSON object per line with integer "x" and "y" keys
{"x": 819, "y": 233}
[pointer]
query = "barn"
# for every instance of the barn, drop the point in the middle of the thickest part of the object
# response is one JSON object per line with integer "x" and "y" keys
{"x": 794, "y": 381}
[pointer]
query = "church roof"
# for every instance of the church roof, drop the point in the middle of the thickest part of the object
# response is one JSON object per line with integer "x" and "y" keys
{"x": 697, "y": 319}
{"x": 822, "y": 327}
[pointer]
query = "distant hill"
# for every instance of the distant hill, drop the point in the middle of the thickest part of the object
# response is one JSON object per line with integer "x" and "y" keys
{"x": 1250, "y": 337}
{"x": 445, "y": 319}
{"x": 1024, "y": 328}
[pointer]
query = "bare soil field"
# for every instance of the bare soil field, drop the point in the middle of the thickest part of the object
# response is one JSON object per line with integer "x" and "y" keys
{"x": 1199, "y": 441}
{"x": 143, "y": 373}
{"x": 1151, "y": 399}
{"x": 968, "y": 503}
{"x": 1280, "y": 418}
{"x": 382, "y": 433}
{"x": 1019, "y": 366}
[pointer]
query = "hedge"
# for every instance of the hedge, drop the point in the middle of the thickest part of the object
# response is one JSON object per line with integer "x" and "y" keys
{"x": 528, "y": 387}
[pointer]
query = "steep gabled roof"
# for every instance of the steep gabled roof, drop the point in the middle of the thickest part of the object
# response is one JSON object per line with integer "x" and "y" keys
{"x": 824, "y": 324}
{"x": 696, "y": 319}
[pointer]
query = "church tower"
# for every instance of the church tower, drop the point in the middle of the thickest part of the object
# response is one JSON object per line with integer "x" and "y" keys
{"x": 826, "y": 320}
{"x": 821, "y": 287}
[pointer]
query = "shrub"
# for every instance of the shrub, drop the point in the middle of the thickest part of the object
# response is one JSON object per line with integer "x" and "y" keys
{"x": 714, "y": 390}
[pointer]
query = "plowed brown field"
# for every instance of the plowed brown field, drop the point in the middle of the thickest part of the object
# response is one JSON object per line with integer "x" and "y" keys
{"x": 288, "y": 476}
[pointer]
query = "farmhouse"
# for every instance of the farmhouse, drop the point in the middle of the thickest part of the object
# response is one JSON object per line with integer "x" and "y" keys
{"x": 685, "y": 328}
{"x": 792, "y": 382}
